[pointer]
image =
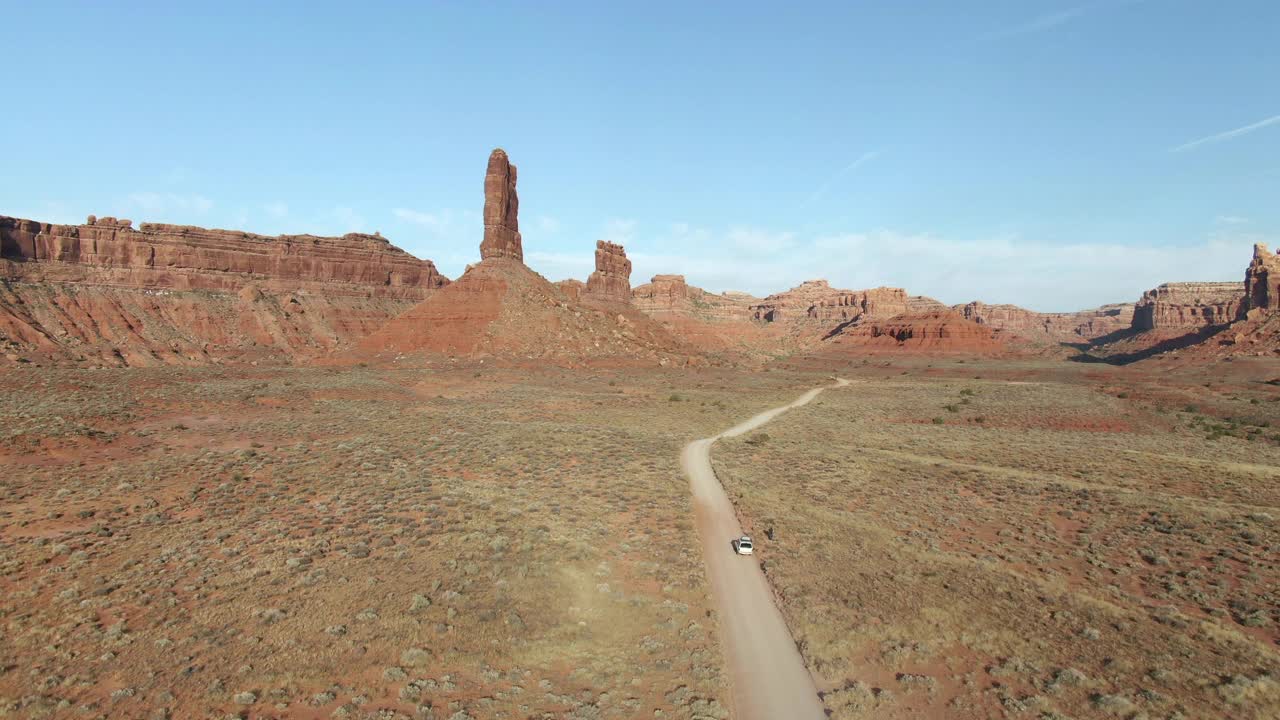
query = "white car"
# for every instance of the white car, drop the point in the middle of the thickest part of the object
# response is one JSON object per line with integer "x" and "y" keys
{"x": 742, "y": 545}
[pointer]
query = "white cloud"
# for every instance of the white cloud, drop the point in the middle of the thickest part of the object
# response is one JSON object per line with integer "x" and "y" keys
{"x": 276, "y": 210}
{"x": 755, "y": 241}
{"x": 168, "y": 206}
{"x": 1227, "y": 135}
{"x": 1001, "y": 269}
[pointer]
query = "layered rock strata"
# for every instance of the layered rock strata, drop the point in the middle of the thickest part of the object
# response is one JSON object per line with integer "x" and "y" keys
{"x": 107, "y": 251}
{"x": 1086, "y": 324}
{"x": 501, "y": 210}
{"x": 1262, "y": 281}
{"x": 670, "y": 295}
{"x": 611, "y": 282}
{"x": 1191, "y": 305}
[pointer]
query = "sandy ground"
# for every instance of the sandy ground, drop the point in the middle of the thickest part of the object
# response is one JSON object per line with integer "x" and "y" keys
{"x": 768, "y": 675}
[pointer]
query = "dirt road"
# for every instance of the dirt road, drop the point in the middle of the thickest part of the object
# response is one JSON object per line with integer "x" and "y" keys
{"x": 767, "y": 674}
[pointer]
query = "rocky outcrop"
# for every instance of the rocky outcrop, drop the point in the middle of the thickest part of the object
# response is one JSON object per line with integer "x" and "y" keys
{"x": 1189, "y": 306}
{"x": 105, "y": 293}
{"x": 935, "y": 331}
{"x": 611, "y": 282}
{"x": 669, "y": 295}
{"x": 878, "y": 302}
{"x": 1262, "y": 281}
{"x": 571, "y": 288}
{"x": 107, "y": 251}
{"x": 504, "y": 309}
{"x": 794, "y": 304}
{"x": 501, "y": 210}
{"x": 1086, "y": 324}
{"x": 817, "y": 300}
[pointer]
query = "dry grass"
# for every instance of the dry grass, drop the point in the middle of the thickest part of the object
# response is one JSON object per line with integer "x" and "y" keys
{"x": 417, "y": 542}
{"x": 1049, "y": 549}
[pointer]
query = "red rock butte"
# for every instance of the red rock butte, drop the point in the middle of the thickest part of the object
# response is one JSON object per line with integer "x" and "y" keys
{"x": 501, "y": 210}
{"x": 500, "y": 307}
{"x": 1262, "y": 280}
{"x": 611, "y": 281}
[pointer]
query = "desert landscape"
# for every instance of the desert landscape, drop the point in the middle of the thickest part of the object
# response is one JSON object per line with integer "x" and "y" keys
{"x": 295, "y": 476}
{"x": 640, "y": 361}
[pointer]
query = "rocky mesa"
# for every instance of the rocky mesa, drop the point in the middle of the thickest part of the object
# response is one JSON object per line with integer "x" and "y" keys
{"x": 107, "y": 251}
{"x": 107, "y": 293}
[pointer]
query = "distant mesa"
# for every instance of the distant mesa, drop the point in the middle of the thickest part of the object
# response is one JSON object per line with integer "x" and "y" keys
{"x": 105, "y": 293}
{"x": 1014, "y": 321}
{"x": 1189, "y": 305}
{"x": 816, "y": 300}
{"x": 501, "y": 210}
{"x": 105, "y": 250}
{"x": 934, "y": 331}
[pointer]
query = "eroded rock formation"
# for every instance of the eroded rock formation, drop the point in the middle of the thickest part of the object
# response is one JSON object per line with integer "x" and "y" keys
{"x": 501, "y": 210}
{"x": 106, "y": 251}
{"x": 611, "y": 282}
{"x": 1192, "y": 305}
{"x": 1086, "y": 324}
{"x": 106, "y": 293}
{"x": 505, "y": 309}
{"x": 1262, "y": 281}
{"x": 670, "y": 295}
{"x": 572, "y": 288}
{"x": 794, "y": 304}
{"x": 817, "y": 300}
{"x": 934, "y": 331}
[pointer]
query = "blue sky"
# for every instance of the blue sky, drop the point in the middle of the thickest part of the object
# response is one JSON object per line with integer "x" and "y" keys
{"x": 1056, "y": 155}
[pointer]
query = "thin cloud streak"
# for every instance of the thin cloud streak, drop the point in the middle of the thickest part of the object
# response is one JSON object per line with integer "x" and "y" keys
{"x": 1229, "y": 134}
{"x": 863, "y": 159}
{"x": 1042, "y": 23}
{"x": 1056, "y": 19}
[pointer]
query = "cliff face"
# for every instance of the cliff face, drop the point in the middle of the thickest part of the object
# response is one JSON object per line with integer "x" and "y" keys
{"x": 106, "y": 251}
{"x": 881, "y": 302}
{"x": 1262, "y": 281}
{"x": 106, "y": 293}
{"x": 933, "y": 331}
{"x": 501, "y": 210}
{"x": 1191, "y": 306}
{"x": 611, "y": 282}
{"x": 1086, "y": 324}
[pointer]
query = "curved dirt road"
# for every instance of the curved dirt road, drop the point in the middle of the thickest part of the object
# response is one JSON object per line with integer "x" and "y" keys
{"x": 767, "y": 674}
